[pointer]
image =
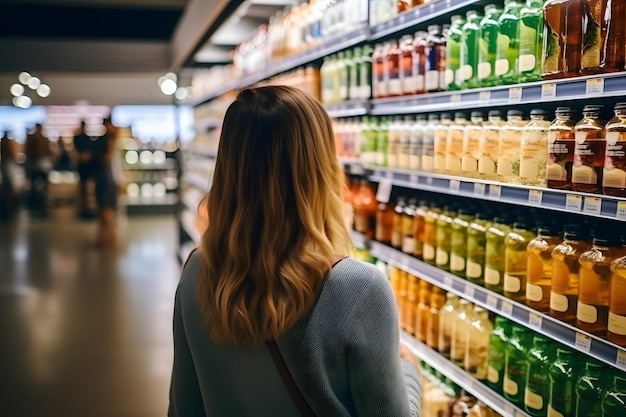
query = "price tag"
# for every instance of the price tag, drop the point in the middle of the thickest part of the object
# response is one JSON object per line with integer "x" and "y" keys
{"x": 534, "y": 320}
{"x": 508, "y": 409}
{"x": 621, "y": 359}
{"x": 429, "y": 180}
{"x": 621, "y": 210}
{"x": 595, "y": 86}
{"x": 507, "y": 308}
{"x": 535, "y": 196}
{"x": 414, "y": 178}
{"x": 515, "y": 94}
{"x": 495, "y": 191}
{"x": 389, "y": 175}
{"x": 593, "y": 205}
{"x": 484, "y": 96}
{"x": 357, "y": 169}
{"x": 448, "y": 282}
{"x": 469, "y": 291}
{"x": 455, "y": 185}
{"x": 583, "y": 342}
{"x": 548, "y": 90}
{"x": 574, "y": 202}
{"x": 479, "y": 188}
{"x": 492, "y": 301}
{"x": 384, "y": 191}
{"x": 455, "y": 98}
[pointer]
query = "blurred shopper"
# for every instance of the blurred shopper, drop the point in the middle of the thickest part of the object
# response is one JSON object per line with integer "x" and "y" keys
{"x": 84, "y": 148}
{"x": 106, "y": 189}
{"x": 38, "y": 164}
{"x": 8, "y": 167}
{"x": 271, "y": 284}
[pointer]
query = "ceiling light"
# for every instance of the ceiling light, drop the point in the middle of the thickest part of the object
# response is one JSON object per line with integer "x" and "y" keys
{"x": 168, "y": 87}
{"x": 17, "y": 89}
{"x": 171, "y": 76}
{"x": 182, "y": 93}
{"x": 24, "y": 77}
{"x": 43, "y": 90}
{"x": 22, "y": 101}
{"x": 33, "y": 83}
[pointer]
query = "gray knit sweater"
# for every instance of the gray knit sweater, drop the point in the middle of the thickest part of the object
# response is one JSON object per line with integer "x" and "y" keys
{"x": 343, "y": 355}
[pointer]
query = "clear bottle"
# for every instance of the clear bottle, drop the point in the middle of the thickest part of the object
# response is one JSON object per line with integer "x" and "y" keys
{"x": 344, "y": 75}
{"x": 614, "y": 398}
{"x": 471, "y": 145}
{"x": 382, "y": 141}
{"x": 422, "y": 312}
{"x": 384, "y": 223}
{"x": 589, "y": 389}
{"x": 406, "y": 65}
{"x": 498, "y": 341}
{"x": 562, "y": 39}
{"x": 458, "y": 241}
{"x": 477, "y": 347}
{"x": 454, "y": 144}
{"x": 476, "y": 247}
{"x": 420, "y": 59}
{"x": 516, "y": 365}
{"x": 354, "y": 88}
{"x": 392, "y": 70}
{"x": 366, "y": 77}
{"x": 539, "y": 268}
{"x": 435, "y": 57}
{"x": 453, "y": 53}
{"x": 446, "y": 315}
{"x": 428, "y": 148}
{"x": 444, "y": 237}
{"x": 516, "y": 260}
{"x": 508, "y": 43}
{"x": 534, "y": 150}
{"x": 430, "y": 233}
{"x": 489, "y": 146}
{"x": 563, "y": 375}
{"x": 339, "y": 79}
{"x": 589, "y": 151}
{"x": 419, "y": 222}
{"x": 408, "y": 232}
{"x": 537, "y": 394}
{"x": 416, "y": 142}
{"x": 459, "y": 332}
{"x": 365, "y": 206}
{"x": 396, "y": 234}
{"x": 469, "y": 50}
{"x": 617, "y": 303}
{"x": 561, "y": 142}
{"x": 614, "y": 175}
{"x": 379, "y": 87}
{"x": 368, "y": 145}
{"x": 440, "y": 143}
{"x": 531, "y": 41}
{"x": 488, "y": 46}
{"x": 495, "y": 251}
{"x": 509, "y": 147}
{"x": 595, "y": 279}
{"x": 603, "y": 36}
{"x": 393, "y": 137}
{"x": 404, "y": 150}
{"x": 437, "y": 301}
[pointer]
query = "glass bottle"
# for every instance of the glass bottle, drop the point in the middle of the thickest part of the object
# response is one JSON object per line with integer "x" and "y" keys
{"x": 395, "y": 278}
{"x": 595, "y": 277}
{"x": 406, "y": 65}
{"x": 428, "y": 148}
{"x": 368, "y": 145}
{"x": 614, "y": 398}
{"x": 614, "y": 175}
{"x": 379, "y": 87}
{"x": 489, "y": 146}
{"x": 365, "y": 206}
{"x": 471, "y": 145}
{"x": 516, "y": 365}
{"x": 444, "y": 237}
{"x": 402, "y": 6}
{"x": 488, "y": 46}
{"x": 365, "y": 73}
{"x": 454, "y": 144}
{"x": 516, "y": 260}
{"x": 419, "y": 221}
{"x": 498, "y": 341}
{"x": 404, "y": 147}
{"x": 617, "y": 303}
{"x": 531, "y": 41}
{"x": 459, "y": 332}
{"x": 384, "y": 223}
{"x": 344, "y": 79}
{"x": 509, "y": 147}
{"x": 392, "y": 70}
{"x": 440, "y": 143}
{"x": 603, "y": 36}
{"x": 469, "y": 50}
{"x": 430, "y": 233}
{"x": 562, "y": 39}
{"x": 411, "y": 303}
{"x": 393, "y": 138}
{"x": 437, "y": 301}
{"x": 408, "y": 233}
{"x": 561, "y": 141}
{"x": 589, "y": 389}
{"x": 396, "y": 234}
{"x": 453, "y": 53}
{"x": 382, "y": 141}
{"x": 539, "y": 268}
{"x": 508, "y": 43}
{"x": 423, "y": 310}
{"x": 416, "y": 142}
{"x": 537, "y": 392}
{"x": 495, "y": 250}
{"x": 534, "y": 150}
{"x": 447, "y": 313}
{"x": 477, "y": 347}
{"x": 589, "y": 151}
{"x": 565, "y": 273}
{"x": 402, "y": 296}
{"x": 354, "y": 88}
{"x": 458, "y": 241}
{"x": 563, "y": 376}
{"x": 476, "y": 246}
{"x": 420, "y": 59}
{"x": 436, "y": 56}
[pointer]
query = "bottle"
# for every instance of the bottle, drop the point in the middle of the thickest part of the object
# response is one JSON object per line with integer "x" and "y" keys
{"x": 508, "y": 43}
{"x": 589, "y": 389}
{"x": 595, "y": 277}
{"x": 411, "y": 303}
{"x": 476, "y": 246}
{"x": 382, "y": 141}
{"x": 396, "y": 234}
{"x": 617, "y": 303}
{"x": 561, "y": 141}
{"x": 437, "y": 301}
{"x": 516, "y": 365}
{"x": 393, "y": 138}
{"x": 401, "y": 294}
{"x": 419, "y": 221}
{"x": 603, "y": 36}
{"x": 495, "y": 250}
{"x": 454, "y": 144}
{"x": 404, "y": 149}
{"x": 458, "y": 241}
{"x": 430, "y": 233}
{"x": 488, "y": 46}
{"x": 428, "y": 148}
{"x": 469, "y": 50}
{"x": 384, "y": 223}
{"x": 354, "y": 88}
{"x": 366, "y": 77}
{"x": 444, "y": 237}
{"x": 565, "y": 273}
{"x": 453, "y": 53}
{"x": 531, "y": 41}
{"x": 379, "y": 87}
{"x": 589, "y": 151}
{"x": 423, "y": 310}
{"x": 459, "y": 332}
{"x": 509, "y": 147}
{"x": 534, "y": 150}
{"x": 489, "y": 146}
{"x": 562, "y": 39}
{"x": 440, "y": 143}
{"x": 402, "y": 6}
{"x": 614, "y": 398}
{"x": 537, "y": 392}
{"x": 408, "y": 233}
{"x": 446, "y": 316}
{"x": 416, "y": 142}
{"x": 539, "y": 268}
{"x": 562, "y": 379}
{"x": 471, "y": 145}
{"x": 614, "y": 175}
{"x": 406, "y": 65}
{"x": 365, "y": 206}
{"x": 420, "y": 60}
{"x": 498, "y": 341}
{"x": 477, "y": 347}
{"x": 516, "y": 260}
{"x": 436, "y": 56}
{"x": 392, "y": 69}
{"x": 344, "y": 76}
{"x": 368, "y": 145}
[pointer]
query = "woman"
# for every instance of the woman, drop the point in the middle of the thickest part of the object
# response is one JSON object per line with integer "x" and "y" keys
{"x": 272, "y": 265}
{"x": 104, "y": 150}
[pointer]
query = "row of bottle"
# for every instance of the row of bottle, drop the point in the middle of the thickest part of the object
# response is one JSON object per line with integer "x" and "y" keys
{"x": 347, "y": 75}
{"x": 587, "y": 154}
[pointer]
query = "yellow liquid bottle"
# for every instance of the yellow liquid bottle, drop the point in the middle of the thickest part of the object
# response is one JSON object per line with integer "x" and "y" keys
{"x": 446, "y": 315}
{"x": 539, "y": 268}
{"x": 460, "y": 332}
{"x": 454, "y": 144}
{"x": 471, "y": 145}
{"x": 617, "y": 303}
{"x": 495, "y": 251}
{"x": 430, "y": 233}
{"x": 458, "y": 253}
{"x": 441, "y": 142}
{"x": 444, "y": 237}
{"x": 509, "y": 147}
{"x": 534, "y": 150}
{"x": 476, "y": 248}
{"x": 477, "y": 348}
{"x": 516, "y": 260}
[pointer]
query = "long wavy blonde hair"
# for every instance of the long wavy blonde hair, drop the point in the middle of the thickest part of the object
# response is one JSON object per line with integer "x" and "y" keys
{"x": 274, "y": 216}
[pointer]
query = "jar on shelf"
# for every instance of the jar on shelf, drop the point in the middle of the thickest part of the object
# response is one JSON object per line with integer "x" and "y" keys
{"x": 561, "y": 141}
{"x": 589, "y": 151}
{"x": 614, "y": 175}
{"x": 539, "y": 268}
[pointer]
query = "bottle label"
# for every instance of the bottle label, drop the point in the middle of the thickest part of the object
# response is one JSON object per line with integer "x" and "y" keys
{"x": 502, "y": 66}
{"x": 432, "y": 80}
{"x": 532, "y": 400}
{"x": 526, "y": 63}
{"x": 429, "y": 252}
{"x": 553, "y": 413}
{"x": 617, "y": 324}
{"x": 615, "y": 162}
{"x": 589, "y": 154}
{"x": 510, "y": 386}
{"x": 561, "y": 153}
{"x": 408, "y": 245}
{"x": 466, "y": 72}
{"x": 449, "y": 77}
{"x": 512, "y": 283}
{"x": 442, "y": 257}
{"x": 492, "y": 276}
{"x": 558, "y": 302}
{"x": 484, "y": 70}
{"x": 457, "y": 263}
{"x": 586, "y": 313}
{"x": 493, "y": 375}
{"x": 395, "y": 87}
{"x": 474, "y": 269}
{"x": 534, "y": 292}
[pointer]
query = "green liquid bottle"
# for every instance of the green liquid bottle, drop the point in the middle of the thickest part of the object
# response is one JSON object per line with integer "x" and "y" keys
{"x": 530, "y": 41}
{"x": 516, "y": 260}
{"x": 444, "y": 237}
{"x": 495, "y": 254}
{"x": 453, "y": 53}
{"x": 537, "y": 392}
{"x": 562, "y": 380}
{"x": 508, "y": 43}
{"x": 488, "y": 46}
{"x": 459, "y": 241}
{"x": 498, "y": 341}
{"x": 354, "y": 70}
{"x": 368, "y": 145}
{"x": 382, "y": 141}
{"x": 430, "y": 233}
{"x": 476, "y": 247}
{"x": 614, "y": 399}
{"x": 469, "y": 50}
{"x": 589, "y": 389}
{"x": 516, "y": 365}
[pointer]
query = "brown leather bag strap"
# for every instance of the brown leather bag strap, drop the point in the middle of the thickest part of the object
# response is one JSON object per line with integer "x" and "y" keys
{"x": 290, "y": 384}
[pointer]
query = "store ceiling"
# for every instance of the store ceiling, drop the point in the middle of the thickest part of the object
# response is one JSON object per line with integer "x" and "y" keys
{"x": 113, "y": 51}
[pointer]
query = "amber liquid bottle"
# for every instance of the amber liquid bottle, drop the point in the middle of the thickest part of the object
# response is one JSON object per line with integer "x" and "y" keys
{"x": 419, "y": 229}
{"x": 562, "y": 40}
{"x": 561, "y": 141}
{"x": 589, "y": 151}
{"x": 437, "y": 300}
{"x": 539, "y": 269}
{"x": 422, "y": 310}
{"x": 365, "y": 207}
{"x": 410, "y": 303}
{"x": 396, "y": 234}
{"x": 384, "y": 222}
{"x": 603, "y": 36}
{"x": 617, "y": 303}
{"x": 614, "y": 177}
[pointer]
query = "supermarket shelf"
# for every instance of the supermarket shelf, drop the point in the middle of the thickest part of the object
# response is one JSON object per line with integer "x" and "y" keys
{"x": 187, "y": 221}
{"x": 576, "y": 339}
{"x": 207, "y": 123}
{"x": 461, "y": 378}
{"x": 348, "y": 109}
{"x": 197, "y": 181}
{"x": 559, "y": 200}
{"x": 588, "y": 87}
{"x": 330, "y": 46}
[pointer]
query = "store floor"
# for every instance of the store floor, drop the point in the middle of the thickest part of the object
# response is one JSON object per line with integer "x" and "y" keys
{"x": 84, "y": 332}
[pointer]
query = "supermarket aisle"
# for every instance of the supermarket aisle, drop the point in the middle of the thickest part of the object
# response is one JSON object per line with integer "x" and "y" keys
{"x": 86, "y": 333}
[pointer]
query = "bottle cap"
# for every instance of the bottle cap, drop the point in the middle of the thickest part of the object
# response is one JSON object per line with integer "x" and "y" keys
{"x": 520, "y": 224}
{"x": 434, "y": 28}
{"x": 422, "y": 117}
{"x": 446, "y": 116}
{"x": 494, "y": 113}
{"x": 538, "y": 112}
{"x": 564, "y": 110}
{"x": 476, "y": 114}
{"x": 514, "y": 113}
{"x": 573, "y": 231}
{"x": 460, "y": 115}
{"x": 466, "y": 211}
{"x": 433, "y": 117}
{"x": 593, "y": 107}
{"x": 620, "y": 106}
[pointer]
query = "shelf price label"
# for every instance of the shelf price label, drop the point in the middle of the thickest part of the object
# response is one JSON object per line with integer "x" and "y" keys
{"x": 479, "y": 188}
{"x": 508, "y": 409}
{"x": 384, "y": 191}
{"x": 492, "y": 301}
{"x": 548, "y": 90}
{"x": 414, "y": 178}
{"x": 515, "y": 94}
{"x": 583, "y": 342}
{"x": 535, "y": 196}
{"x": 594, "y": 86}
{"x": 469, "y": 291}
{"x": 455, "y": 98}
{"x": 447, "y": 281}
{"x": 484, "y": 96}
{"x": 429, "y": 180}
{"x": 593, "y": 205}
{"x": 389, "y": 175}
{"x": 621, "y": 359}
{"x": 573, "y": 202}
{"x": 455, "y": 185}
{"x": 534, "y": 320}
{"x": 621, "y": 210}
{"x": 495, "y": 191}
{"x": 507, "y": 308}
